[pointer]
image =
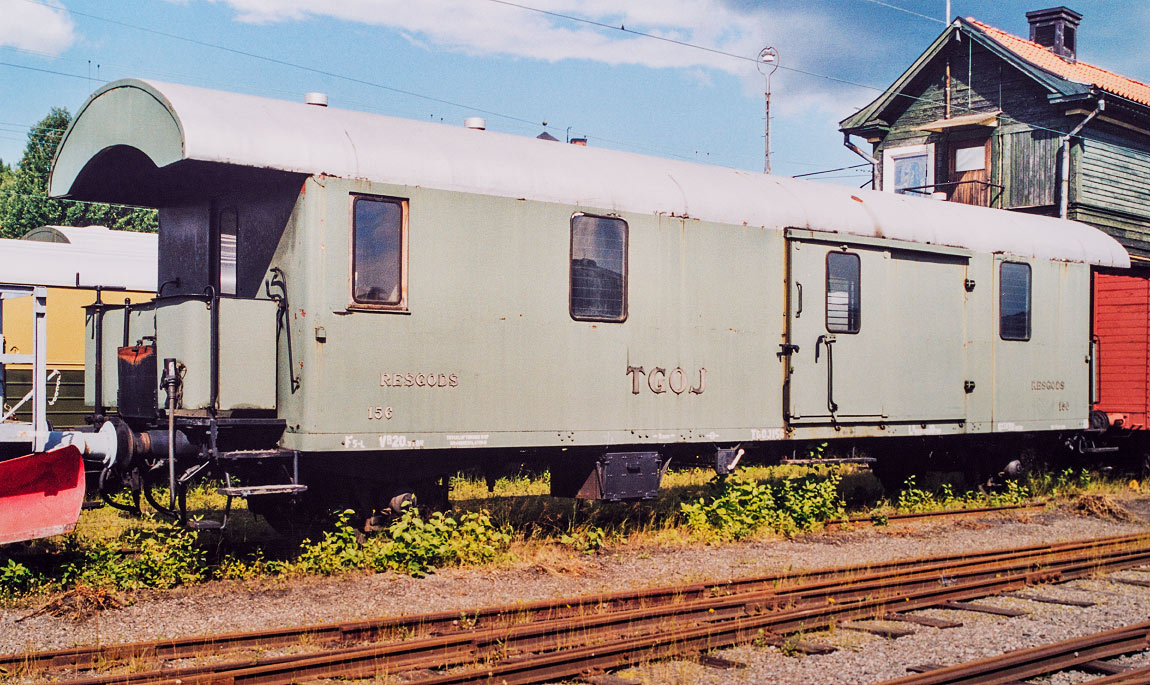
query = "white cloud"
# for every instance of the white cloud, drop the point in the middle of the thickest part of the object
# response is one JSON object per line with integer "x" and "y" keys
{"x": 807, "y": 37}
{"x": 35, "y": 26}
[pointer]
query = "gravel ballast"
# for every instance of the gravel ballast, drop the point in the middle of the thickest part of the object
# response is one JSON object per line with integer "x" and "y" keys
{"x": 862, "y": 658}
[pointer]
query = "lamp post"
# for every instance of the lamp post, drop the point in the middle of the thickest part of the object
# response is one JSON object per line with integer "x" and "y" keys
{"x": 767, "y": 64}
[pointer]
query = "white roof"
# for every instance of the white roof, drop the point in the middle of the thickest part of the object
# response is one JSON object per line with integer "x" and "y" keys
{"x": 184, "y": 122}
{"x": 104, "y": 238}
{"x": 84, "y": 264}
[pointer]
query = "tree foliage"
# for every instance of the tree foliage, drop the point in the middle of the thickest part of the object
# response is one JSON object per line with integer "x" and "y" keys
{"x": 24, "y": 204}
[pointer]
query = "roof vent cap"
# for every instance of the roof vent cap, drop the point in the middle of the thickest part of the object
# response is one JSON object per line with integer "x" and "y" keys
{"x": 315, "y": 98}
{"x": 475, "y": 123}
{"x": 1057, "y": 29}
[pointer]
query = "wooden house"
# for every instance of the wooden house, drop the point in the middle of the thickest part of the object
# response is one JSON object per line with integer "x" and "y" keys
{"x": 986, "y": 117}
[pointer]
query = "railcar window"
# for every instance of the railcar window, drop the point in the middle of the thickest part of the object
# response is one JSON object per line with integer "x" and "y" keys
{"x": 1014, "y": 301}
{"x": 377, "y": 251}
{"x": 598, "y": 268}
{"x": 229, "y": 234}
{"x": 844, "y": 304}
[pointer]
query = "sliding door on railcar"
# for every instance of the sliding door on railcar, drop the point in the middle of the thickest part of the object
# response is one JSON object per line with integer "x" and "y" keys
{"x": 879, "y": 334}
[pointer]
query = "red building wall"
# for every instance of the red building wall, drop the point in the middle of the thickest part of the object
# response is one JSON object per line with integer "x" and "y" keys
{"x": 1122, "y": 326}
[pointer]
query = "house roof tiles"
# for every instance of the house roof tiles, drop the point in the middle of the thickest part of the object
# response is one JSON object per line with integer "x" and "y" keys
{"x": 1081, "y": 72}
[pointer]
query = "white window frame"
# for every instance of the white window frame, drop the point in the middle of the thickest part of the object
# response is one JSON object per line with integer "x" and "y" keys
{"x": 893, "y": 154}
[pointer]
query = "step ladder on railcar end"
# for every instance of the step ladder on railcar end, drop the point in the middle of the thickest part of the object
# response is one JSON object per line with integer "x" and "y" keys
{"x": 232, "y": 490}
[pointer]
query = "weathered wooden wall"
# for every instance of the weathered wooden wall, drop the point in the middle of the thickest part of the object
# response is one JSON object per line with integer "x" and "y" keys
{"x": 1110, "y": 182}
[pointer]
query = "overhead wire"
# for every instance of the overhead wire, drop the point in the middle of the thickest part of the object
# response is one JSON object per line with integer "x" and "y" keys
{"x": 560, "y": 15}
{"x": 781, "y": 67}
{"x": 903, "y": 9}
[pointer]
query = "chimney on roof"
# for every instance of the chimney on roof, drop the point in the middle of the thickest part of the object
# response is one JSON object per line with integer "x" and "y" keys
{"x": 1057, "y": 29}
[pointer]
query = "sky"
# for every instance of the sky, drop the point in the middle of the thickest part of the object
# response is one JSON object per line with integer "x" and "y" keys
{"x": 689, "y": 89}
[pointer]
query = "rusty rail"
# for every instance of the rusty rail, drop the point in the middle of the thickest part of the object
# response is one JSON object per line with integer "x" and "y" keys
{"x": 1044, "y": 659}
{"x": 680, "y": 625}
{"x": 374, "y": 629}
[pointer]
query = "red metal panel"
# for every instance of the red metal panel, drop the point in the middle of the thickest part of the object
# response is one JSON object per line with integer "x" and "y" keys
{"x": 40, "y": 494}
{"x": 1122, "y": 325}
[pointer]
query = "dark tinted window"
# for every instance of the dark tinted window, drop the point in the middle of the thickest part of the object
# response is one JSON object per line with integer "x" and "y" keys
{"x": 377, "y": 251}
{"x": 598, "y": 268}
{"x": 1014, "y": 301}
{"x": 844, "y": 304}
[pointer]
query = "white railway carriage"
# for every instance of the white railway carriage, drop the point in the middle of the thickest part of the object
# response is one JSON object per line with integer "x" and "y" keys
{"x": 357, "y": 305}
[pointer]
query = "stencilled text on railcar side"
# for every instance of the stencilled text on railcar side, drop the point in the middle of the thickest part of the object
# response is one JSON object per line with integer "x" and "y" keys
{"x": 419, "y": 380}
{"x": 660, "y": 380}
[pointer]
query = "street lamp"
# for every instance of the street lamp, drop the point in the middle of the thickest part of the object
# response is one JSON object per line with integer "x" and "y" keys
{"x": 767, "y": 64}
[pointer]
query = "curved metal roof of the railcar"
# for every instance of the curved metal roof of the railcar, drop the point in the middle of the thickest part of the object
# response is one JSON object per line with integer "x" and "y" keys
{"x": 171, "y": 123}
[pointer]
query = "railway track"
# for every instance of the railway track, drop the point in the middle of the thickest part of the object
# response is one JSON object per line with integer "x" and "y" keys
{"x": 1081, "y": 652}
{"x": 530, "y": 643}
{"x": 423, "y": 624}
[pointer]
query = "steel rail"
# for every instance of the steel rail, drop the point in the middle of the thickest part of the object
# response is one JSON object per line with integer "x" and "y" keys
{"x": 921, "y": 515}
{"x": 358, "y": 631}
{"x": 1041, "y": 660}
{"x": 676, "y": 643}
{"x": 792, "y": 612}
{"x": 1135, "y": 676}
{"x": 539, "y": 636}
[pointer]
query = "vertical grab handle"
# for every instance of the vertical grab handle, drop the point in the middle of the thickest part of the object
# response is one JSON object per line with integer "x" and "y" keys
{"x": 828, "y": 340}
{"x": 799, "y": 310}
{"x": 1095, "y": 389}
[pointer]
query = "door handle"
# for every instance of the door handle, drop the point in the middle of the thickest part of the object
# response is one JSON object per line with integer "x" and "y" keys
{"x": 799, "y": 311}
{"x": 827, "y": 340}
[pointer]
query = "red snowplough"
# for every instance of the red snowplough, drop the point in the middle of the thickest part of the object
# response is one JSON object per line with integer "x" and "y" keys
{"x": 40, "y": 494}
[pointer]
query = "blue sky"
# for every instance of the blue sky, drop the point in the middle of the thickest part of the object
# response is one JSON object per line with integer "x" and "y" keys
{"x": 519, "y": 67}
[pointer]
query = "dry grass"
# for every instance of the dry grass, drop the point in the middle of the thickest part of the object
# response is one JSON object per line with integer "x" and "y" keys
{"x": 79, "y": 604}
{"x": 1100, "y": 506}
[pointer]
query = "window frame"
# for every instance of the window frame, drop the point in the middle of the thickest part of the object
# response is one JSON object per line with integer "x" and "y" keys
{"x": 891, "y": 155}
{"x": 404, "y": 206}
{"x": 827, "y": 292}
{"x": 1029, "y": 301}
{"x": 571, "y": 268}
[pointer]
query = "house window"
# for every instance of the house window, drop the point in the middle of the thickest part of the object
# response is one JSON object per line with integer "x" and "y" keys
{"x": 379, "y": 238}
{"x": 970, "y": 158}
{"x": 844, "y": 303}
{"x": 598, "y": 268}
{"x": 1014, "y": 301}
{"x": 908, "y": 167}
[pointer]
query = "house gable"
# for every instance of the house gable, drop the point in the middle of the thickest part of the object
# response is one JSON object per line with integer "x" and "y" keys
{"x": 976, "y": 85}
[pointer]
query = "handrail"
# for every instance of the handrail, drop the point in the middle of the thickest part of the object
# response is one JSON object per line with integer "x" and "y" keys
{"x": 39, "y": 358}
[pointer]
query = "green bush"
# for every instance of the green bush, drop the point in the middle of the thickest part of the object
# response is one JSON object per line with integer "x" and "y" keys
{"x": 736, "y": 508}
{"x": 16, "y": 580}
{"x": 587, "y": 540}
{"x": 913, "y": 499}
{"x": 161, "y": 557}
{"x": 339, "y": 550}
{"x": 411, "y": 545}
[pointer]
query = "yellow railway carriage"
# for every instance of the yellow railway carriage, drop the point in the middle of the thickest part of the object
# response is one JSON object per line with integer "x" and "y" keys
{"x": 71, "y": 262}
